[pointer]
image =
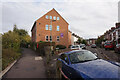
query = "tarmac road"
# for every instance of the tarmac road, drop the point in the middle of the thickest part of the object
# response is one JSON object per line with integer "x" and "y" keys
{"x": 105, "y": 54}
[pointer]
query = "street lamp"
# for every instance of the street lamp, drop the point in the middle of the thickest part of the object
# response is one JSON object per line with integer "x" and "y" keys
{"x": 51, "y": 36}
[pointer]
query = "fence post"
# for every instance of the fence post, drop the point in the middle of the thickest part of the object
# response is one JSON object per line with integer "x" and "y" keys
{"x": 47, "y": 50}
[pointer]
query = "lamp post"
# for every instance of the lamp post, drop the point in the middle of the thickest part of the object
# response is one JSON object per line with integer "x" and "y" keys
{"x": 51, "y": 36}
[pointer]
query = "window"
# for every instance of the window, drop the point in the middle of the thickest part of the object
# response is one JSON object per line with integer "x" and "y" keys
{"x": 57, "y": 28}
{"x": 46, "y": 16}
{"x": 50, "y": 38}
{"x": 46, "y": 38}
{"x": 46, "y": 27}
{"x": 54, "y": 18}
{"x": 81, "y": 56}
{"x": 50, "y": 27}
{"x": 58, "y": 38}
{"x": 50, "y": 17}
{"x": 58, "y": 18}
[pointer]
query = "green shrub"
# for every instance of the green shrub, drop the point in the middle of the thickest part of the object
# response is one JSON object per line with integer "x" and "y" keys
{"x": 69, "y": 46}
{"x": 60, "y": 46}
{"x": 8, "y": 56}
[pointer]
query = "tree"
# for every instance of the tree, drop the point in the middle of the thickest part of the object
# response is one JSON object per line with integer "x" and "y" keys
{"x": 79, "y": 40}
{"x": 99, "y": 41}
{"x": 84, "y": 42}
{"x": 23, "y": 35}
{"x": 15, "y": 29}
{"x": 11, "y": 40}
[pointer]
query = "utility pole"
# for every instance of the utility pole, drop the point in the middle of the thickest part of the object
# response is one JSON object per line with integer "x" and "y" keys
{"x": 51, "y": 48}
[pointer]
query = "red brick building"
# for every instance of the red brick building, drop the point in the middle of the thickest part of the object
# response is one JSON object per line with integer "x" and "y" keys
{"x": 113, "y": 34}
{"x": 51, "y": 27}
{"x": 91, "y": 41}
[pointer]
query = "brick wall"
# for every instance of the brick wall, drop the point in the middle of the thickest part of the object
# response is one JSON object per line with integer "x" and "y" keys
{"x": 41, "y": 31}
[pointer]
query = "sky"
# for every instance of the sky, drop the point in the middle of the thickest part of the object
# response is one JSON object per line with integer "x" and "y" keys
{"x": 86, "y": 18}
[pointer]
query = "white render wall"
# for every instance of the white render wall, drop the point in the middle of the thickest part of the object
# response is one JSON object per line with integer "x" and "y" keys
{"x": 72, "y": 40}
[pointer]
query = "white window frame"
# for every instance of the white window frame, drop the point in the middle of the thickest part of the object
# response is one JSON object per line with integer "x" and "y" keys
{"x": 50, "y": 27}
{"x": 50, "y": 38}
{"x": 50, "y": 17}
{"x": 54, "y": 17}
{"x": 58, "y": 18}
{"x": 58, "y": 38}
{"x": 46, "y": 38}
{"x": 46, "y": 16}
{"x": 46, "y": 27}
{"x": 58, "y": 28}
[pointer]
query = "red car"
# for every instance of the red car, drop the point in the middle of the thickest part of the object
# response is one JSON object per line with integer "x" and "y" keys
{"x": 108, "y": 46}
{"x": 117, "y": 48}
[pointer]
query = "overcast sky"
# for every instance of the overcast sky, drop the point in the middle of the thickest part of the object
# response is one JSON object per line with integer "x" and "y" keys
{"x": 86, "y": 18}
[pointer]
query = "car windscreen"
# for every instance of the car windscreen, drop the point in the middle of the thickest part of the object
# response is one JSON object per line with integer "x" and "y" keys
{"x": 81, "y": 56}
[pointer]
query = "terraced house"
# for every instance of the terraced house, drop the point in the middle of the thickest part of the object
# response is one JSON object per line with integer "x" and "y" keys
{"x": 52, "y": 27}
{"x": 113, "y": 34}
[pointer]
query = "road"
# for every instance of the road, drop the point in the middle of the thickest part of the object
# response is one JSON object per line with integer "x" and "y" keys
{"x": 105, "y": 54}
{"x": 30, "y": 65}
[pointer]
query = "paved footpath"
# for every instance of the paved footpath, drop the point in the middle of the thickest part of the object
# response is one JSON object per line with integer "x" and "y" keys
{"x": 30, "y": 65}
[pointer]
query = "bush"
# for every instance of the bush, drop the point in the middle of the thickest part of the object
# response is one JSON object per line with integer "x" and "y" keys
{"x": 11, "y": 40}
{"x": 60, "y": 46}
{"x": 8, "y": 56}
{"x": 39, "y": 47}
{"x": 69, "y": 46}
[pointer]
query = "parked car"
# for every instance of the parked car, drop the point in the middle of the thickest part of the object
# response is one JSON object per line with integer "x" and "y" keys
{"x": 84, "y": 64}
{"x": 108, "y": 45}
{"x": 75, "y": 47}
{"x": 117, "y": 48}
{"x": 83, "y": 46}
{"x": 93, "y": 46}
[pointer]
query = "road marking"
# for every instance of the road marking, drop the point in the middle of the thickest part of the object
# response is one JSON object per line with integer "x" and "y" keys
{"x": 38, "y": 58}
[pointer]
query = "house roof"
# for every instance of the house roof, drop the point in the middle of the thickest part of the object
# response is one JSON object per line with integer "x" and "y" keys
{"x": 48, "y": 12}
{"x": 59, "y": 15}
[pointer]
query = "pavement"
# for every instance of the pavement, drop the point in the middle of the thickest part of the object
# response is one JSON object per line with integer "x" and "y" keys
{"x": 51, "y": 66}
{"x": 30, "y": 65}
